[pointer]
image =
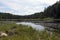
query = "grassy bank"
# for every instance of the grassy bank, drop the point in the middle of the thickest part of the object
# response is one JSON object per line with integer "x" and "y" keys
{"x": 23, "y": 32}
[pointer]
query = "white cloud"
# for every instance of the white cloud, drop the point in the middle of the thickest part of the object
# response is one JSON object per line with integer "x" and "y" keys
{"x": 25, "y": 7}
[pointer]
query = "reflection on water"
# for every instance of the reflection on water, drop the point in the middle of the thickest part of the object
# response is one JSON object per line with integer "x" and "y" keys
{"x": 33, "y": 25}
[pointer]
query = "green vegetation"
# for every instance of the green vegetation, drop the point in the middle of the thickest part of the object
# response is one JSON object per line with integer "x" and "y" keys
{"x": 48, "y": 19}
{"x": 28, "y": 33}
{"x": 53, "y": 11}
{"x": 24, "y": 32}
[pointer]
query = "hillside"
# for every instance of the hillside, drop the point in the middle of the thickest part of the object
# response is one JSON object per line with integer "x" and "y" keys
{"x": 9, "y": 16}
{"x": 52, "y": 11}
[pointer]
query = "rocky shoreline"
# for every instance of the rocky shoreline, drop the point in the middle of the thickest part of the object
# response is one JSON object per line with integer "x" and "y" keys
{"x": 51, "y": 26}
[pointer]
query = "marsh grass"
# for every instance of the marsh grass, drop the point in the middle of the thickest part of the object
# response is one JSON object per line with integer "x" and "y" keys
{"x": 27, "y": 33}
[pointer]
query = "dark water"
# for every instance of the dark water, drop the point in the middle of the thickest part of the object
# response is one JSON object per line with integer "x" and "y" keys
{"x": 33, "y": 25}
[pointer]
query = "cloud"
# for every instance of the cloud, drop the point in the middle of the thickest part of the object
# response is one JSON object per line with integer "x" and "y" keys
{"x": 24, "y": 7}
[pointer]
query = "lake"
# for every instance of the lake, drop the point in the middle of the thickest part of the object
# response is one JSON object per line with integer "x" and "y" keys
{"x": 38, "y": 25}
{"x": 33, "y": 25}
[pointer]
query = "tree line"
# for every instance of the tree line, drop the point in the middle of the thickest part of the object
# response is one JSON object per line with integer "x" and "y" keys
{"x": 52, "y": 11}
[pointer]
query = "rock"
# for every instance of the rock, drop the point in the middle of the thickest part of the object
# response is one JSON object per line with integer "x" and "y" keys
{"x": 3, "y": 34}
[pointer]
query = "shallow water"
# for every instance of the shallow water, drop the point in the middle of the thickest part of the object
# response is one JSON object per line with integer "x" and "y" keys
{"x": 33, "y": 25}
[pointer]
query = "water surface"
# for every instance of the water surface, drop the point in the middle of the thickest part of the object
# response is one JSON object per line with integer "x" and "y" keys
{"x": 33, "y": 25}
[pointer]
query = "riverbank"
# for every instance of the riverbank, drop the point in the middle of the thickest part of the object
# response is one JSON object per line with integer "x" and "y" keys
{"x": 54, "y": 26}
{"x": 23, "y": 32}
{"x": 49, "y": 24}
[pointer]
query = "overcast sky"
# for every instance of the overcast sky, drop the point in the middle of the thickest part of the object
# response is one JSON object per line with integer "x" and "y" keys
{"x": 24, "y": 7}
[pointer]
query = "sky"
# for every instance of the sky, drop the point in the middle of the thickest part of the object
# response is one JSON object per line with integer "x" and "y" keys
{"x": 24, "y": 7}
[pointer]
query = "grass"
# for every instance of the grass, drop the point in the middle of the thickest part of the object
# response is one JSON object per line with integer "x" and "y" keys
{"x": 48, "y": 19}
{"x": 27, "y": 33}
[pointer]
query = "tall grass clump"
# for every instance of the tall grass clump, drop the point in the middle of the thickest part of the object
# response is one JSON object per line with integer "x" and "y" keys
{"x": 24, "y": 32}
